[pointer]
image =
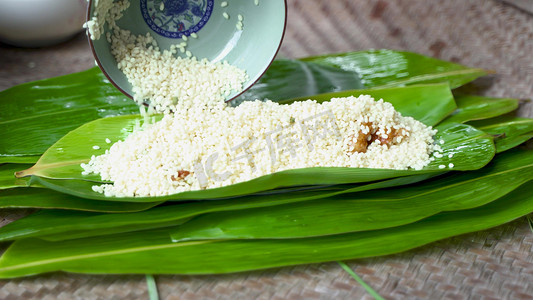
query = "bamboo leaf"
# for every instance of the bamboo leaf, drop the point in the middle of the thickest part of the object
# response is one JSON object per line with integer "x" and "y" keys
{"x": 367, "y": 287}
{"x": 62, "y": 161}
{"x": 373, "y": 210}
{"x": 464, "y": 146}
{"x": 290, "y": 78}
{"x": 57, "y": 219}
{"x": 31, "y": 159}
{"x": 471, "y": 108}
{"x": 35, "y": 115}
{"x": 44, "y": 198}
{"x": 509, "y": 131}
{"x": 152, "y": 287}
{"x": 7, "y": 176}
{"x": 397, "y": 68}
{"x": 152, "y": 252}
{"x": 70, "y": 225}
{"x": 507, "y": 143}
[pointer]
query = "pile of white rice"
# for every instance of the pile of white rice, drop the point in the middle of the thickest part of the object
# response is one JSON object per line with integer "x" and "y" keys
{"x": 192, "y": 149}
{"x": 163, "y": 80}
{"x": 202, "y": 143}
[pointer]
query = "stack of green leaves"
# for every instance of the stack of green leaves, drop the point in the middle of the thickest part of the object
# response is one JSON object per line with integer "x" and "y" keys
{"x": 286, "y": 218}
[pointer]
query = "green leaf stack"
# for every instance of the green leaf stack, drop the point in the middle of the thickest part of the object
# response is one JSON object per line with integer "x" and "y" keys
{"x": 287, "y": 218}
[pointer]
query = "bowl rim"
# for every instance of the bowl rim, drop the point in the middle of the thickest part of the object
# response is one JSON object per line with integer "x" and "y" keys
{"x": 100, "y": 66}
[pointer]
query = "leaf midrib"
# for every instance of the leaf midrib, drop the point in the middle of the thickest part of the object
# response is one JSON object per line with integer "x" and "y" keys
{"x": 432, "y": 76}
{"x": 506, "y": 124}
{"x": 66, "y": 111}
{"x": 45, "y": 166}
{"x": 457, "y": 184}
{"x": 35, "y": 170}
{"x": 104, "y": 253}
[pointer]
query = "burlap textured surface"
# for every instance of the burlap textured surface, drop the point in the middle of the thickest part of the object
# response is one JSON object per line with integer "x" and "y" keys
{"x": 493, "y": 264}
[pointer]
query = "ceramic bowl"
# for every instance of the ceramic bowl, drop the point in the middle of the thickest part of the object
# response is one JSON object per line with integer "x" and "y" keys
{"x": 37, "y": 23}
{"x": 218, "y": 37}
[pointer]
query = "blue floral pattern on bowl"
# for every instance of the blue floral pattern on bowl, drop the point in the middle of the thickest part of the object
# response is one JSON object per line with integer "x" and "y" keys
{"x": 176, "y": 18}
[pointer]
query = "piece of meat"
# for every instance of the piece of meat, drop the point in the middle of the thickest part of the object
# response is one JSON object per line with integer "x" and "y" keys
{"x": 360, "y": 144}
{"x": 363, "y": 140}
{"x": 181, "y": 175}
{"x": 389, "y": 140}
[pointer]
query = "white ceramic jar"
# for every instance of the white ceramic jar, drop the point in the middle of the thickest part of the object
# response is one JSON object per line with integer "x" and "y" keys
{"x": 38, "y": 23}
